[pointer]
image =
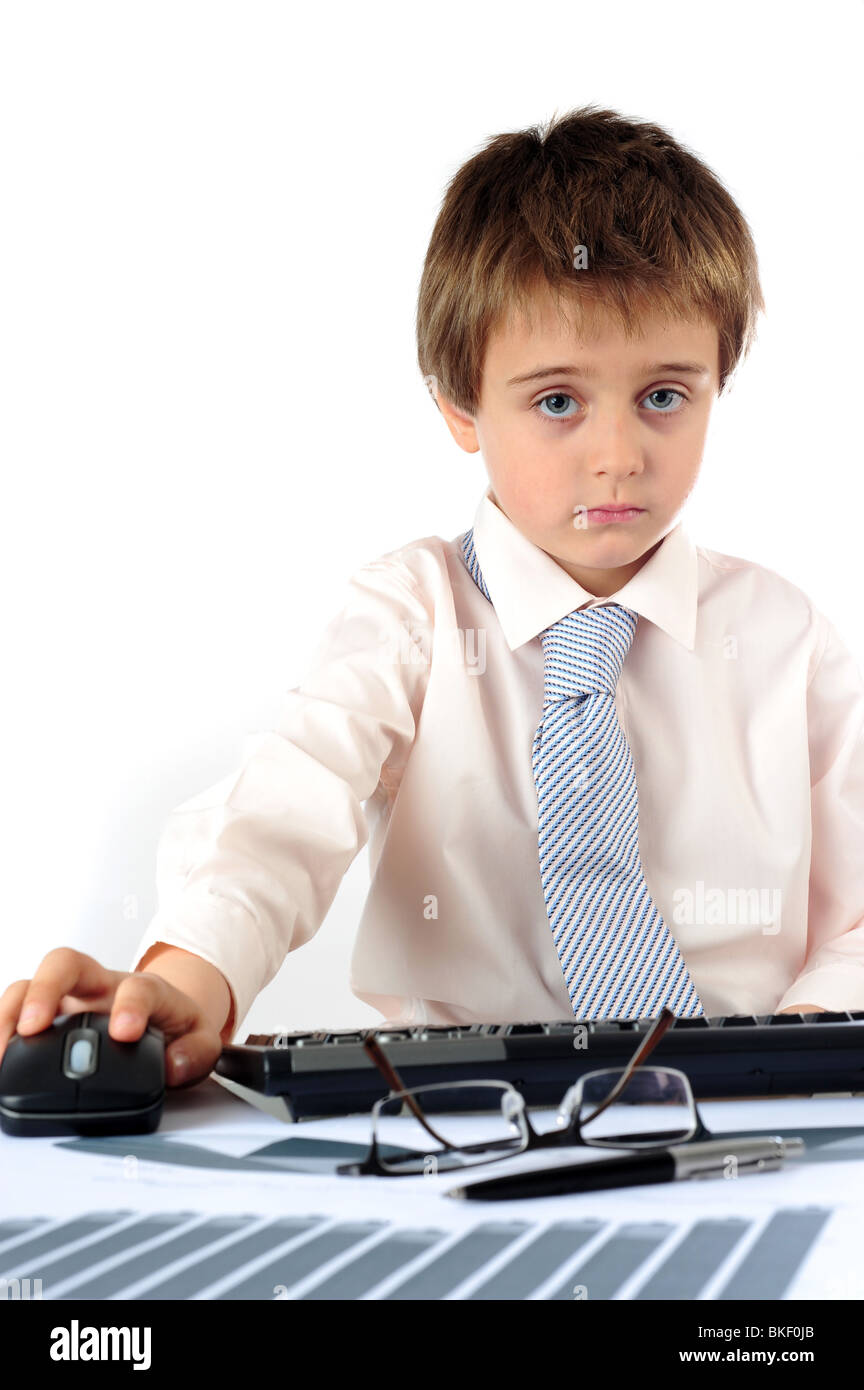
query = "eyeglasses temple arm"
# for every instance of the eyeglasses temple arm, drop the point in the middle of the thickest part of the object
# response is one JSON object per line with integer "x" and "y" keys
{"x": 665, "y": 1019}
{"x": 395, "y": 1082}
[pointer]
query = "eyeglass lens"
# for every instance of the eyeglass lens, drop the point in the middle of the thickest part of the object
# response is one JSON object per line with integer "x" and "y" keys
{"x": 653, "y": 1107}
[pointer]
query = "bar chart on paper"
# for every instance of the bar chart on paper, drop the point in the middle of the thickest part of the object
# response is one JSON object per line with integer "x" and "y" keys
{"x": 189, "y": 1255}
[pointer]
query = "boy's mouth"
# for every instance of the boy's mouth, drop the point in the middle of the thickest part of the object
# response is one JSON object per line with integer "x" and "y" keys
{"x": 615, "y": 512}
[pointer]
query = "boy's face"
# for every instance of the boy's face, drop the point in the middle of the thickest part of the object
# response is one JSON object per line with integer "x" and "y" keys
{"x": 567, "y": 442}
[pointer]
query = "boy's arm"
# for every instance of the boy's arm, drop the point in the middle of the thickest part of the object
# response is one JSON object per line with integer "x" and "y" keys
{"x": 248, "y": 869}
{"x": 833, "y": 972}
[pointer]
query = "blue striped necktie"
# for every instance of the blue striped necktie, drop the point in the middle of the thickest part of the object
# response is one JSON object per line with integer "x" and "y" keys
{"x": 618, "y": 956}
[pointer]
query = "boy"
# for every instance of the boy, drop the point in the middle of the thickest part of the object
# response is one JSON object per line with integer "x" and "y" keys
{"x": 484, "y": 709}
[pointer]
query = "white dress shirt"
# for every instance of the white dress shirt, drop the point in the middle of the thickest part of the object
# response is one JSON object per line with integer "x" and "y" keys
{"x": 413, "y": 729}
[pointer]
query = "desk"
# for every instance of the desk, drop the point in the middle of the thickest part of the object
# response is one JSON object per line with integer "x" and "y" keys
{"x": 225, "y": 1202}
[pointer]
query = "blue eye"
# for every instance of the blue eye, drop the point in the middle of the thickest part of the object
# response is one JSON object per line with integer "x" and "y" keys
{"x": 666, "y": 391}
{"x": 561, "y": 397}
{"x": 557, "y": 414}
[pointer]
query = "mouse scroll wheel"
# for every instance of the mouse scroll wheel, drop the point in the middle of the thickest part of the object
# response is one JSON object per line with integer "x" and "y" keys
{"x": 81, "y": 1053}
{"x": 81, "y": 1056}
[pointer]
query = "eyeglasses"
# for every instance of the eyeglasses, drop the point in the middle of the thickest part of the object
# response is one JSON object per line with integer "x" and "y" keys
{"x": 632, "y": 1107}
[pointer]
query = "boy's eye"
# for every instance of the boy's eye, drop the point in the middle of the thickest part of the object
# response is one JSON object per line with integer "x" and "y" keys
{"x": 558, "y": 402}
{"x": 666, "y": 391}
{"x": 557, "y": 406}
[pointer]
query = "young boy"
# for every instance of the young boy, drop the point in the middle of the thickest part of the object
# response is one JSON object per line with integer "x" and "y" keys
{"x": 600, "y": 768}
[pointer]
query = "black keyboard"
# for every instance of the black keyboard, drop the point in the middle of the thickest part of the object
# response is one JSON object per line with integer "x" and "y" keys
{"x": 329, "y": 1073}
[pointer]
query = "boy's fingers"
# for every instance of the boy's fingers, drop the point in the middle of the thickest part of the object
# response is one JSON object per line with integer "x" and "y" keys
{"x": 192, "y": 1043}
{"x": 10, "y": 1007}
{"x": 200, "y": 1048}
{"x": 63, "y": 971}
{"x": 66, "y": 976}
{"x": 141, "y": 999}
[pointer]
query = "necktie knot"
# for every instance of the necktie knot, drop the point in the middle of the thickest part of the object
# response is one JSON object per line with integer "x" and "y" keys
{"x": 584, "y": 651}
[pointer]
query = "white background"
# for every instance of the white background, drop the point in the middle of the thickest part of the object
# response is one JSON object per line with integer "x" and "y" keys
{"x": 214, "y": 218}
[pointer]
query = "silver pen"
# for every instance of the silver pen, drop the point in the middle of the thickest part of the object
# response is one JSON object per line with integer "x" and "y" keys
{"x": 710, "y": 1158}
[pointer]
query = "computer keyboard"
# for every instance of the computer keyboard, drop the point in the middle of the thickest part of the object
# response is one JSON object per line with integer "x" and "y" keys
{"x": 316, "y": 1074}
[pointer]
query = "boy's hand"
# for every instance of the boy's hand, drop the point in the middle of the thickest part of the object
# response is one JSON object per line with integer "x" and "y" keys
{"x": 802, "y": 1009}
{"x": 68, "y": 982}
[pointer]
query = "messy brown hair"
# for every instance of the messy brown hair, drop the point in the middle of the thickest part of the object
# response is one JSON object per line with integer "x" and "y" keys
{"x": 660, "y": 231}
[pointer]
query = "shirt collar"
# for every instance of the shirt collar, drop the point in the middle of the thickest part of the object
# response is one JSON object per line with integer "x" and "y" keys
{"x": 530, "y": 590}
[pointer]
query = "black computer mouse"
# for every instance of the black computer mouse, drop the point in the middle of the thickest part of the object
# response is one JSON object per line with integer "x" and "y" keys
{"x": 74, "y": 1078}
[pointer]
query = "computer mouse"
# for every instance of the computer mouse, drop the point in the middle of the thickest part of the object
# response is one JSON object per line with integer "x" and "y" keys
{"x": 74, "y": 1078}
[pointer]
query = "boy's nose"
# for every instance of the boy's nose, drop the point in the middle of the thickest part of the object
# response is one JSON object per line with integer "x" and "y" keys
{"x": 612, "y": 445}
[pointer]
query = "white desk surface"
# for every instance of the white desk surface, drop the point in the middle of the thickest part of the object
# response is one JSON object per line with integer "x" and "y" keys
{"x": 116, "y": 1218}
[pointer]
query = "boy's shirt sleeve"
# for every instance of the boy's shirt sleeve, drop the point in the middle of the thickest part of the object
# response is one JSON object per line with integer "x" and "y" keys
{"x": 247, "y": 870}
{"x": 832, "y": 976}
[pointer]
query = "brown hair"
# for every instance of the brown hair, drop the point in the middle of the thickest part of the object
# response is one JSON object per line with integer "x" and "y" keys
{"x": 660, "y": 230}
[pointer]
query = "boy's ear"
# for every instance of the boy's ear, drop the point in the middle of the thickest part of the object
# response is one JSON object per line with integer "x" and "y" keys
{"x": 459, "y": 423}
